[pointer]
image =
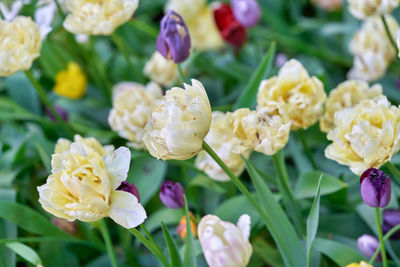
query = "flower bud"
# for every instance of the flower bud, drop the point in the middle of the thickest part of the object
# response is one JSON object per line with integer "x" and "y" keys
{"x": 368, "y": 244}
{"x": 62, "y": 112}
{"x": 130, "y": 188}
{"x": 65, "y": 225}
{"x": 247, "y": 12}
{"x": 171, "y": 195}
{"x": 181, "y": 229}
{"x": 223, "y": 243}
{"x": 375, "y": 188}
{"x": 391, "y": 218}
{"x": 173, "y": 41}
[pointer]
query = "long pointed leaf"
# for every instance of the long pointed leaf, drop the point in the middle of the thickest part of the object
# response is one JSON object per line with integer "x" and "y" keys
{"x": 25, "y": 252}
{"x": 176, "y": 260}
{"x": 189, "y": 259}
{"x": 339, "y": 253}
{"x": 312, "y": 222}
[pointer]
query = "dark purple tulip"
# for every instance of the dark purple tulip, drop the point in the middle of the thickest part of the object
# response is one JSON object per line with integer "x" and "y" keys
{"x": 391, "y": 218}
{"x": 63, "y": 114}
{"x": 247, "y": 12}
{"x": 368, "y": 244}
{"x": 173, "y": 41}
{"x": 171, "y": 195}
{"x": 130, "y": 188}
{"x": 375, "y": 188}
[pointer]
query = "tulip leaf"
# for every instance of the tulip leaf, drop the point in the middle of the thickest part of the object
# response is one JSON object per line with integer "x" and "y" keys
{"x": 248, "y": 97}
{"x": 22, "y": 92}
{"x": 172, "y": 247}
{"x": 166, "y": 215}
{"x": 189, "y": 259}
{"x": 277, "y": 222}
{"x": 7, "y": 230}
{"x": 25, "y": 252}
{"x": 339, "y": 253}
{"x": 312, "y": 222}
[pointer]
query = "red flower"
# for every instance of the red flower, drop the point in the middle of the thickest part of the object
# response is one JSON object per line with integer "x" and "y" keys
{"x": 231, "y": 29}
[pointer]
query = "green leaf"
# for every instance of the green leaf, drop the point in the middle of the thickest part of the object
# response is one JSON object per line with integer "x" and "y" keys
{"x": 248, "y": 97}
{"x": 312, "y": 222}
{"x": 277, "y": 222}
{"x": 46, "y": 158}
{"x": 176, "y": 260}
{"x": 267, "y": 253}
{"x": 205, "y": 182}
{"x": 308, "y": 183}
{"x": 339, "y": 253}
{"x": 7, "y": 230}
{"x": 166, "y": 215}
{"x": 25, "y": 252}
{"x": 189, "y": 259}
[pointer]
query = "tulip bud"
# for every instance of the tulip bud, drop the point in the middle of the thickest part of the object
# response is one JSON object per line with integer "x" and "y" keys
{"x": 375, "y": 188}
{"x": 63, "y": 114}
{"x": 223, "y": 243}
{"x": 181, "y": 229}
{"x": 171, "y": 195}
{"x": 247, "y": 12}
{"x": 391, "y": 218}
{"x": 173, "y": 42}
{"x": 130, "y": 188}
{"x": 368, "y": 244}
{"x": 65, "y": 225}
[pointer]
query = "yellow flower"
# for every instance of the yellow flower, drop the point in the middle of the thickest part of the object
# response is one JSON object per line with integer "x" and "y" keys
{"x": 372, "y": 49}
{"x": 300, "y": 96}
{"x": 179, "y": 122}
{"x": 346, "y": 95}
{"x": 223, "y": 243}
{"x": 20, "y": 45}
{"x": 161, "y": 70}
{"x": 221, "y": 139}
{"x": 361, "y": 264}
{"x": 71, "y": 83}
{"x": 362, "y": 9}
{"x": 366, "y": 135}
{"x": 83, "y": 183}
{"x": 98, "y": 17}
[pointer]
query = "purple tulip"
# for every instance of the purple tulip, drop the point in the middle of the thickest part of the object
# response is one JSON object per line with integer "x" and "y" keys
{"x": 375, "y": 188}
{"x": 247, "y": 12}
{"x": 391, "y": 218}
{"x": 171, "y": 195}
{"x": 368, "y": 244}
{"x": 173, "y": 41}
{"x": 130, "y": 188}
{"x": 63, "y": 114}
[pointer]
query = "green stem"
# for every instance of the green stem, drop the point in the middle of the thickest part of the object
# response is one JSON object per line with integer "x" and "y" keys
{"x": 392, "y": 41}
{"x": 286, "y": 190}
{"x": 145, "y": 27}
{"x": 381, "y": 241}
{"x": 393, "y": 170}
{"x": 385, "y": 238}
{"x": 307, "y": 150}
{"x": 107, "y": 240}
{"x": 59, "y": 8}
{"x": 180, "y": 72}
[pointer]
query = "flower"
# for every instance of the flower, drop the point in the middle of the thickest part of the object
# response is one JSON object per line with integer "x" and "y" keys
{"x": 130, "y": 188}
{"x": 161, "y": 70}
{"x": 361, "y": 264}
{"x": 71, "y": 83}
{"x": 368, "y": 244}
{"x": 231, "y": 30}
{"x": 173, "y": 41}
{"x": 179, "y": 122}
{"x": 44, "y": 16}
{"x": 328, "y": 5}
{"x": 181, "y": 229}
{"x": 362, "y": 9}
{"x": 366, "y": 135}
{"x": 131, "y": 110}
{"x": 223, "y": 243}
{"x": 20, "y": 45}
{"x": 375, "y": 188}
{"x": 62, "y": 112}
{"x": 300, "y": 96}
{"x": 372, "y": 49}
{"x": 172, "y": 195}
{"x": 391, "y": 218}
{"x": 83, "y": 184}
{"x": 247, "y": 12}
{"x": 346, "y": 95}
{"x": 222, "y": 140}
{"x": 188, "y": 9}
{"x": 98, "y": 17}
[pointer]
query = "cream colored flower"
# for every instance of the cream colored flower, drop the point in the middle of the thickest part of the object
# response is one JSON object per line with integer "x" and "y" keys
{"x": 20, "y": 45}
{"x": 98, "y": 17}
{"x": 131, "y": 110}
{"x": 329, "y": 5}
{"x": 179, "y": 122}
{"x": 372, "y": 49}
{"x": 161, "y": 70}
{"x": 83, "y": 183}
{"x": 346, "y": 95}
{"x": 300, "y": 96}
{"x": 366, "y": 135}
{"x": 362, "y": 9}
{"x": 188, "y": 9}
{"x": 223, "y": 243}
{"x": 222, "y": 140}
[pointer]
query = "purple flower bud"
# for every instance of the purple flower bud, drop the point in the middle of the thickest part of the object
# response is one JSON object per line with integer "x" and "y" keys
{"x": 171, "y": 195}
{"x": 247, "y": 12}
{"x": 63, "y": 114}
{"x": 375, "y": 188}
{"x": 130, "y": 188}
{"x": 368, "y": 244}
{"x": 391, "y": 218}
{"x": 173, "y": 41}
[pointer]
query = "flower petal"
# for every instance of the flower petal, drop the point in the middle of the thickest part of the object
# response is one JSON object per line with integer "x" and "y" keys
{"x": 117, "y": 165}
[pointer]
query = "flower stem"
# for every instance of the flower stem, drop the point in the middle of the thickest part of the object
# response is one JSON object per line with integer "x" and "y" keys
{"x": 59, "y": 8}
{"x": 381, "y": 241}
{"x": 385, "y": 238}
{"x": 392, "y": 41}
{"x": 180, "y": 72}
{"x": 107, "y": 240}
{"x": 393, "y": 170}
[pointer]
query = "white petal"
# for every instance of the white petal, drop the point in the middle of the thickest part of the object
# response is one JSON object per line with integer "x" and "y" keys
{"x": 244, "y": 225}
{"x": 117, "y": 165}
